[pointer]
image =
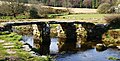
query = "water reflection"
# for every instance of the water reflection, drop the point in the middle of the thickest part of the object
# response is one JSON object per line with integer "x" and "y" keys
{"x": 89, "y": 55}
{"x": 28, "y": 39}
{"x": 54, "y": 46}
{"x": 82, "y": 55}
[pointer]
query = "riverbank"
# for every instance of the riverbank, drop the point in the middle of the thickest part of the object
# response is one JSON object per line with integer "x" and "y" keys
{"x": 14, "y": 50}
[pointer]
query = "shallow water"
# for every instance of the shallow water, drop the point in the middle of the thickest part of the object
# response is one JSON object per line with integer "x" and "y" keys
{"x": 88, "y": 55}
{"x": 53, "y": 46}
{"x": 28, "y": 39}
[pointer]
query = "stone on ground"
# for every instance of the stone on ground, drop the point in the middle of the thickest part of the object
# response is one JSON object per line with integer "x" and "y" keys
{"x": 2, "y": 41}
{"x": 118, "y": 47}
{"x": 8, "y": 47}
{"x": 6, "y": 44}
{"x": 22, "y": 42}
{"x": 100, "y": 47}
{"x": 10, "y": 51}
{"x": 26, "y": 48}
{"x": 12, "y": 58}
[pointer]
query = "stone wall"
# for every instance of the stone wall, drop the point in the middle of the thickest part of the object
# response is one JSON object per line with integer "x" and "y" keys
{"x": 37, "y": 36}
{"x": 112, "y": 37}
{"x": 23, "y": 30}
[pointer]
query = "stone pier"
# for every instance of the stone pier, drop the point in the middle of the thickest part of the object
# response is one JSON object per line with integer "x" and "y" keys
{"x": 45, "y": 40}
{"x": 69, "y": 43}
{"x": 37, "y": 35}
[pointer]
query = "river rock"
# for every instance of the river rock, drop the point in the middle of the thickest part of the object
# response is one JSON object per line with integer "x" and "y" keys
{"x": 33, "y": 53}
{"x": 6, "y": 44}
{"x": 12, "y": 58}
{"x": 10, "y": 51}
{"x": 22, "y": 42}
{"x": 2, "y": 41}
{"x": 26, "y": 48}
{"x": 111, "y": 45}
{"x": 8, "y": 47}
{"x": 1, "y": 28}
{"x": 100, "y": 47}
{"x": 118, "y": 47}
{"x": 43, "y": 56}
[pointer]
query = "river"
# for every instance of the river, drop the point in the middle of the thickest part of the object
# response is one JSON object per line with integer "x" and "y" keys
{"x": 87, "y": 55}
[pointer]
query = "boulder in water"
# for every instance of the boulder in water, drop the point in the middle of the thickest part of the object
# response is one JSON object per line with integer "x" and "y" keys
{"x": 112, "y": 46}
{"x": 118, "y": 47}
{"x": 26, "y": 48}
{"x": 100, "y": 47}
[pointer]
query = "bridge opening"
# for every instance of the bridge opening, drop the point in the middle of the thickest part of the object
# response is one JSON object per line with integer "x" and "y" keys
{"x": 54, "y": 39}
{"x": 63, "y": 42}
{"x": 27, "y": 33}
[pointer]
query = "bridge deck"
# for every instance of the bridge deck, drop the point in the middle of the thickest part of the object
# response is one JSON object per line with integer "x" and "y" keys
{"x": 40, "y": 22}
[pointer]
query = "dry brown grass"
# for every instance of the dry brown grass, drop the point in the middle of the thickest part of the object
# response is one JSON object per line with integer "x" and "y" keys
{"x": 78, "y": 10}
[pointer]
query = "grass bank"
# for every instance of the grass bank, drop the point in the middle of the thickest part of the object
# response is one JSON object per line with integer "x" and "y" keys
{"x": 83, "y": 16}
{"x": 16, "y": 53}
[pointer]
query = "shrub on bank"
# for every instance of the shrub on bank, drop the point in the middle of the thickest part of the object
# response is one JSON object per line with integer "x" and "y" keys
{"x": 12, "y": 9}
{"x": 39, "y": 11}
{"x": 112, "y": 18}
{"x": 103, "y": 8}
{"x": 112, "y": 9}
{"x": 113, "y": 21}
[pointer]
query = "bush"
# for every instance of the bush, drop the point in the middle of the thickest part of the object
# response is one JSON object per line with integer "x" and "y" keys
{"x": 103, "y": 8}
{"x": 12, "y": 9}
{"x": 113, "y": 20}
{"x": 34, "y": 13}
{"x": 37, "y": 11}
{"x": 112, "y": 9}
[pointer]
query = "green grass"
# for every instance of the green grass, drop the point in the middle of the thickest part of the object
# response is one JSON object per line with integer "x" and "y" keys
{"x": 83, "y": 16}
{"x": 11, "y": 37}
{"x": 113, "y": 58}
{"x": 20, "y": 54}
{"x": 12, "y": 17}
